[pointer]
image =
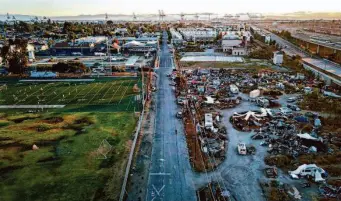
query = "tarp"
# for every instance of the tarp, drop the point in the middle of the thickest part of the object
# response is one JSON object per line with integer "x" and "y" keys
{"x": 255, "y": 93}
{"x": 210, "y": 100}
{"x": 307, "y": 136}
{"x": 302, "y": 119}
{"x": 317, "y": 122}
{"x": 318, "y": 176}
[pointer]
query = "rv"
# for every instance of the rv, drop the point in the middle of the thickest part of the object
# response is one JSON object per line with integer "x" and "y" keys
{"x": 208, "y": 120}
{"x": 310, "y": 171}
{"x": 241, "y": 148}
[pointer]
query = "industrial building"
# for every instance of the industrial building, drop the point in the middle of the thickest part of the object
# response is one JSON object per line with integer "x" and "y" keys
{"x": 278, "y": 58}
{"x": 198, "y": 34}
{"x": 176, "y": 37}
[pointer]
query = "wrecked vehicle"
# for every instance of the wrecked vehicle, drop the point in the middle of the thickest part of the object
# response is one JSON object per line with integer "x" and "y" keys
{"x": 271, "y": 172}
{"x": 179, "y": 115}
{"x": 309, "y": 171}
{"x": 262, "y": 102}
{"x": 293, "y": 107}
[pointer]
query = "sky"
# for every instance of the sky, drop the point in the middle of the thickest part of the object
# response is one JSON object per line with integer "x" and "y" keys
{"x": 78, "y": 7}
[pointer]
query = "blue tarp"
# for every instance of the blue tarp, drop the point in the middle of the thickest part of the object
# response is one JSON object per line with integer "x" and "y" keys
{"x": 302, "y": 119}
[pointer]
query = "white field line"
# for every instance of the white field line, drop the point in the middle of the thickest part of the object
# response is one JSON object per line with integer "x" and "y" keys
{"x": 58, "y": 95}
{"x": 132, "y": 98}
{"x": 125, "y": 91}
{"x": 113, "y": 84}
{"x": 116, "y": 92}
{"x": 89, "y": 92}
{"x": 97, "y": 93}
{"x": 78, "y": 92}
{"x": 32, "y": 94}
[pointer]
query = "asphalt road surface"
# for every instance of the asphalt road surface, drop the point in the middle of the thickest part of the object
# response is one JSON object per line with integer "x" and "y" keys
{"x": 171, "y": 177}
{"x": 170, "y": 174}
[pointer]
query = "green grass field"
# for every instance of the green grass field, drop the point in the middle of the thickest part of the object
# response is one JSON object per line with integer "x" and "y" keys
{"x": 118, "y": 93}
{"x": 83, "y": 148}
{"x": 81, "y": 156}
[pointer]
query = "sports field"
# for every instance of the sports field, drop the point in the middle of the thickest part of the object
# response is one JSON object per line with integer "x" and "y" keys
{"x": 78, "y": 152}
{"x": 118, "y": 94}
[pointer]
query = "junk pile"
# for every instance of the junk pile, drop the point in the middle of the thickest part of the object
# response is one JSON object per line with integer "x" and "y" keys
{"x": 250, "y": 120}
{"x": 196, "y": 93}
{"x": 210, "y": 88}
{"x": 212, "y": 135}
{"x": 271, "y": 172}
{"x": 275, "y": 190}
{"x": 214, "y": 192}
{"x": 328, "y": 191}
{"x": 279, "y": 133}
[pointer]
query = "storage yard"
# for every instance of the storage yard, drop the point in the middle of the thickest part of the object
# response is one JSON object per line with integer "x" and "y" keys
{"x": 259, "y": 119}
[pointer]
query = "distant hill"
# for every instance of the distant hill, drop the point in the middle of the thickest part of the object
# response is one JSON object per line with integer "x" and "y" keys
{"x": 307, "y": 15}
{"x": 153, "y": 17}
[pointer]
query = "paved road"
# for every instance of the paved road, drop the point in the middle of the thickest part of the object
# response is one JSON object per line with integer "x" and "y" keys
{"x": 288, "y": 47}
{"x": 171, "y": 177}
{"x": 170, "y": 174}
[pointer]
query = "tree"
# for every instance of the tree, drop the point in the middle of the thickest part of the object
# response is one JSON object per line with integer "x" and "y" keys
{"x": 68, "y": 27}
{"x": 23, "y": 27}
{"x": 70, "y": 67}
{"x": 15, "y": 57}
{"x": 110, "y": 22}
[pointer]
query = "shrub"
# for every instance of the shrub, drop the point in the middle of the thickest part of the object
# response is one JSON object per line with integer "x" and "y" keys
{"x": 281, "y": 161}
{"x": 43, "y": 128}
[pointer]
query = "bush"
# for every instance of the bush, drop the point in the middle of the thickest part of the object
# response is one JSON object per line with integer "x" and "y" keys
{"x": 281, "y": 161}
{"x": 69, "y": 67}
{"x": 85, "y": 121}
{"x": 54, "y": 120}
{"x": 4, "y": 123}
{"x": 43, "y": 128}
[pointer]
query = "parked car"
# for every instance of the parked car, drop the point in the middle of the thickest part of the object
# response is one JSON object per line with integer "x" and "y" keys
{"x": 291, "y": 99}
{"x": 293, "y": 107}
{"x": 285, "y": 111}
{"x": 311, "y": 114}
{"x": 179, "y": 115}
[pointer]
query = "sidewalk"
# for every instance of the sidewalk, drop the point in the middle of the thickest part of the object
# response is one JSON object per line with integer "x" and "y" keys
{"x": 137, "y": 185}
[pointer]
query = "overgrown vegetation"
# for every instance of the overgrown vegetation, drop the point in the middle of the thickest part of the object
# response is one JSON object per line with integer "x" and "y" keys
{"x": 67, "y": 165}
{"x": 317, "y": 102}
